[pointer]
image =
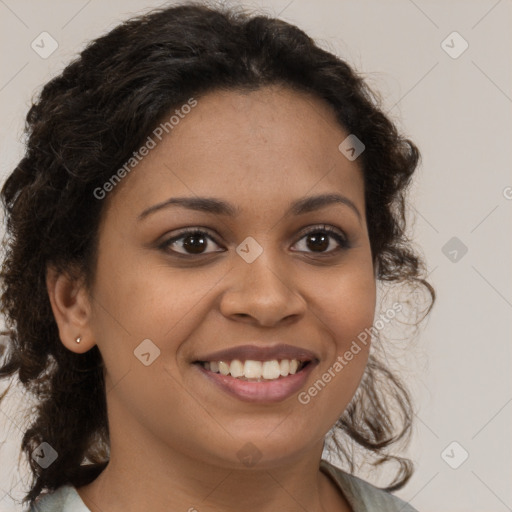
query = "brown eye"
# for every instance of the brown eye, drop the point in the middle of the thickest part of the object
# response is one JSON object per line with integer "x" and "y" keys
{"x": 320, "y": 239}
{"x": 189, "y": 242}
{"x": 195, "y": 243}
{"x": 317, "y": 241}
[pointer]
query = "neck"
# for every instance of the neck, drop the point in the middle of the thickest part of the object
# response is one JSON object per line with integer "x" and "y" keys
{"x": 140, "y": 479}
{"x": 146, "y": 473}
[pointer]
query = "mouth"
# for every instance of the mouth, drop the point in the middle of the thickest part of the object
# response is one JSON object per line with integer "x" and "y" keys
{"x": 255, "y": 371}
{"x": 258, "y": 374}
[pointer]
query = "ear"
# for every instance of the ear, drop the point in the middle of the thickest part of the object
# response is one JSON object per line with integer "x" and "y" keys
{"x": 71, "y": 308}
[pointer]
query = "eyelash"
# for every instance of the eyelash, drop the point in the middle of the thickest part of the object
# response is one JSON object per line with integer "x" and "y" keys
{"x": 331, "y": 232}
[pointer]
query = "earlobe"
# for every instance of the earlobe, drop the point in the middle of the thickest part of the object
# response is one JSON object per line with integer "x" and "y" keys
{"x": 71, "y": 308}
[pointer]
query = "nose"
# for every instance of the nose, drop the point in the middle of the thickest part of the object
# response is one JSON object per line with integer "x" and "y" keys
{"x": 263, "y": 293}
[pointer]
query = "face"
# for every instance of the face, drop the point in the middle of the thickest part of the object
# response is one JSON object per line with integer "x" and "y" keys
{"x": 259, "y": 278}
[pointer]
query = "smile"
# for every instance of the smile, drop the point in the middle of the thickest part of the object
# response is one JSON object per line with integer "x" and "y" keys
{"x": 257, "y": 381}
{"x": 255, "y": 371}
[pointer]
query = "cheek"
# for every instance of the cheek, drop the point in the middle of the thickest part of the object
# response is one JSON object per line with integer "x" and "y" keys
{"x": 345, "y": 309}
{"x": 137, "y": 299}
{"x": 149, "y": 303}
{"x": 345, "y": 302}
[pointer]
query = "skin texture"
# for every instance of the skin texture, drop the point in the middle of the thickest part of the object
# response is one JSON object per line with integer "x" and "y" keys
{"x": 174, "y": 436}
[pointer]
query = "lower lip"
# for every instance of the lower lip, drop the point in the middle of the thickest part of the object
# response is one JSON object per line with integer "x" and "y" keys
{"x": 261, "y": 392}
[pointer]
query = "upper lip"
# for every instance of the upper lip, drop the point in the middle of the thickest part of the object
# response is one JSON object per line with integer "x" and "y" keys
{"x": 258, "y": 353}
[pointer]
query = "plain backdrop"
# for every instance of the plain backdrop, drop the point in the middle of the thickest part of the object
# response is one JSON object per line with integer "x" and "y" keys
{"x": 451, "y": 94}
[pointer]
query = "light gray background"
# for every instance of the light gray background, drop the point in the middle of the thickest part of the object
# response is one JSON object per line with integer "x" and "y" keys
{"x": 458, "y": 111}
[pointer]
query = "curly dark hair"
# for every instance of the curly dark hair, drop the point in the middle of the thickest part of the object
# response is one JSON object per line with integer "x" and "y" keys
{"x": 87, "y": 122}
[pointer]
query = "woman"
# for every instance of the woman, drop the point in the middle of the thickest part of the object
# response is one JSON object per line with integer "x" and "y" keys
{"x": 196, "y": 235}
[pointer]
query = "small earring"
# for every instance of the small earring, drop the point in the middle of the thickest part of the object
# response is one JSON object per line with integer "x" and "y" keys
{"x": 79, "y": 339}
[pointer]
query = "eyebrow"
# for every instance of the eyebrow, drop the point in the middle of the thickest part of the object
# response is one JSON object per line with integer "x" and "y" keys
{"x": 219, "y": 207}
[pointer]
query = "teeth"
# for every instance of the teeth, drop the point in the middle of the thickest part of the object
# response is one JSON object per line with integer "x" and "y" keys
{"x": 271, "y": 370}
{"x": 252, "y": 369}
{"x": 255, "y": 370}
{"x": 236, "y": 368}
{"x": 223, "y": 368}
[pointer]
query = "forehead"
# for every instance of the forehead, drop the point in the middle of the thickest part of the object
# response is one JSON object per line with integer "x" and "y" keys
{"x": 273, "y": 144}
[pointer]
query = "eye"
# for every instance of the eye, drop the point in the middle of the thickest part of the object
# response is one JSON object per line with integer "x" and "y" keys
{"x": 189, "y": 241}
{"x": 319, "y": 238}
{"x": 195, "y": 241}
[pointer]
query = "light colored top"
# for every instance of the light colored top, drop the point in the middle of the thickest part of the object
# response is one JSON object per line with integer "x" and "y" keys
{"x": 361, "y": 495}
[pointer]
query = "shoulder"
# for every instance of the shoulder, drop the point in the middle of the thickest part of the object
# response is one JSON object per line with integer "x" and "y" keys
{"x": 363, "y": 496}
{"x": 63, "y": 499}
